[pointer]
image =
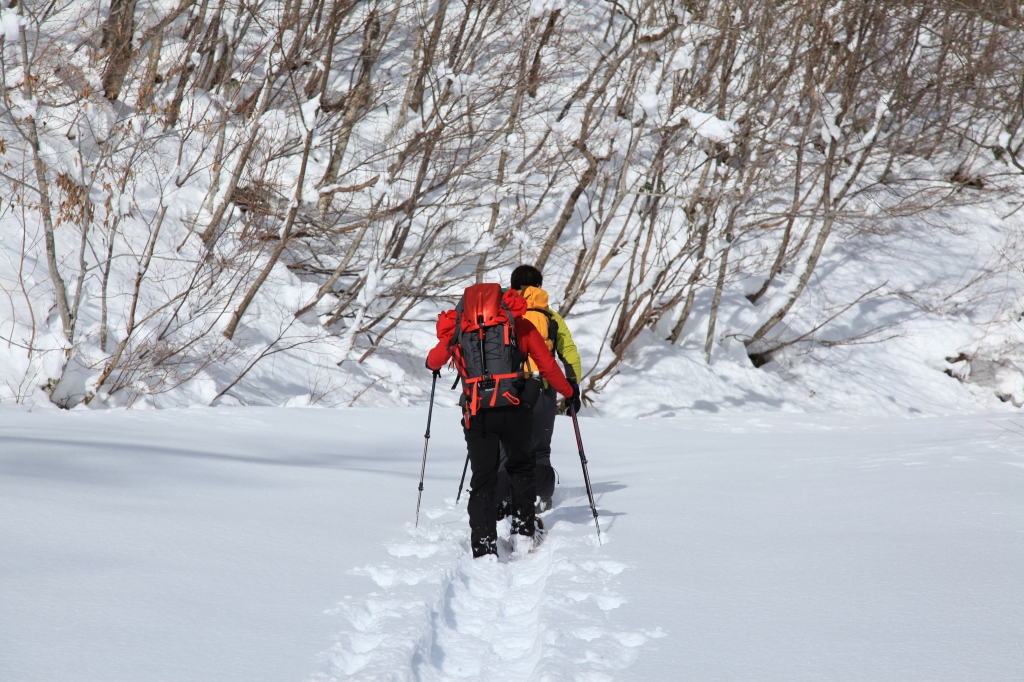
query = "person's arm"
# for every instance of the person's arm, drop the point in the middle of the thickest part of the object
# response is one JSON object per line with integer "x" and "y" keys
{"x": 532, "y": 343}
{"x": 566, "y": 347}
{"x": 439, "y": 354}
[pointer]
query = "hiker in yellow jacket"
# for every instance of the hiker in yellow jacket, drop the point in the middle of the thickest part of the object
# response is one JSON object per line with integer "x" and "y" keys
{"x": 528, "y": 280}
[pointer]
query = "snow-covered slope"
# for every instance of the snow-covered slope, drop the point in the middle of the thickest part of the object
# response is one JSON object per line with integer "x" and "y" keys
{"x": 242, "y": 212}
{"x": 278, "y": 544}
{"x": 939, "y": 331}
{"x": 940, "y": 334}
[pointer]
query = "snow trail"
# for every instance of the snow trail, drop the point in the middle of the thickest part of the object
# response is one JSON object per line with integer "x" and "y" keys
{"x": 441, "y": 615}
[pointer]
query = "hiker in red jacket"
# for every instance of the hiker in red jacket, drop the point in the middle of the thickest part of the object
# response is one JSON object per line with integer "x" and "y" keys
{"x": 489, "y": 353}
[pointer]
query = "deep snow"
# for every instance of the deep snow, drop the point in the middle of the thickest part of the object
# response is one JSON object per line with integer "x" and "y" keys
{"x": 277, "y": 544}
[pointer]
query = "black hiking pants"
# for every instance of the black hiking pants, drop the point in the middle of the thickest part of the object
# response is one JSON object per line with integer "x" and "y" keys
{"x": 489, "y": 431}
{"x": 544, "y": 412}
{"x": 543, "y": 427}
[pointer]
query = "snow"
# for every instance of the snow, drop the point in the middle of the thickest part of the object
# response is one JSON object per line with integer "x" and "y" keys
{"x": 11, "y": 23}
{"x": 23, "y": 108}
{"x": 539, "y": 7}
{"x": 708, "y": 125}
{"x": 683, "y": 58}
{"x": 649, "y": 99}
{"x": 308, "y": 111}
{"x": 278, "y": 544}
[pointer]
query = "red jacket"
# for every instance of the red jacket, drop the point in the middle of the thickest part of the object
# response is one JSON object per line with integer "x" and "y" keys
{"x": 530, "y": 342}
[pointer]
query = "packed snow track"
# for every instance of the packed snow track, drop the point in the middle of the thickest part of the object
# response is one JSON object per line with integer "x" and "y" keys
{"x": 539, "y": 616}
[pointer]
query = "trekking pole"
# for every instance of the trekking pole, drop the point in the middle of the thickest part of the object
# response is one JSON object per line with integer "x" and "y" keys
{"x": 464, "y": 467}
{"x": 586, "y": 474}
{"x": 426, "y": 442}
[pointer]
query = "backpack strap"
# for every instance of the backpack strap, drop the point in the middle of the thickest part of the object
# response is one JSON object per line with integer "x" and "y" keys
{"x": 458, "y": 327}
{"x": 511, "y": 323}
{"x": 510, "y": 330}
{"x": 553, "y": 337}
{"x": 552, "y": 324}
{"x": 455, "y": 348}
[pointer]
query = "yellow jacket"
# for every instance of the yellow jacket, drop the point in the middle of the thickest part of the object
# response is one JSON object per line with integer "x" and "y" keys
{"x": 542, "y": 317}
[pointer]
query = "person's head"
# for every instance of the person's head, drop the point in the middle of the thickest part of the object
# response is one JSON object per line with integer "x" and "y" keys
{"x": 526, "y": 276}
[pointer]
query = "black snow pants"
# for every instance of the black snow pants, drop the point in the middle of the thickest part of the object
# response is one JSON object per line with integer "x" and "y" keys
{"x": 490, "y": 431}
{"x": 544, "y": 412}
{"x": 543, "y": 426}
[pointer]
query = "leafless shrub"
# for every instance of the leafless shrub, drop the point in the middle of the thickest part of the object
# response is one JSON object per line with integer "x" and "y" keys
{"x": 171, "y": 161}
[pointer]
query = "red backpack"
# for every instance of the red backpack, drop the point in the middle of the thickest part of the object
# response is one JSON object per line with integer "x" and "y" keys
{"x": 485, "y": 350}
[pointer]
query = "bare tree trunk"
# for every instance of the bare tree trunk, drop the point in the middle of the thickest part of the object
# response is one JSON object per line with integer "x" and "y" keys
{"x": 428, "y": 55}
{"x": 780, "y": 257}
{"x": 186, "y": 67}
{"x": 286, "y": 232}
{"x": 510, "y": 125}
{"x": 481, "y": 264}
{"x": 356, "y": 101}
{"x": 719, "y": 285}
{"x": 545, "y": 37}
{"x": 812, "y": 260}
{"x": 148, "y": 84}
{"x": 413, "y": 200}
{"x": 570, "y": 207}
{"x": 333, "y": 279}
{"x": 117, "y": 38}
{"x": 43, "y": 187}
{"x": 140, "y": 275}
{"x": 104, "y": 287}
{"x": 691, "y": 286}
{"x": 586, "y": 128}
{"x": 456, "y": 47}
{"x": 220, "y": 207}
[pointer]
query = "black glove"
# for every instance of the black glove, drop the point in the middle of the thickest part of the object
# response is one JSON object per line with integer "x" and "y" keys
{"x": 574, "y": 402}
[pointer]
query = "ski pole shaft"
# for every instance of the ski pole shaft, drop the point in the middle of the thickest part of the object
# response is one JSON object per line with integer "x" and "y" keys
{"x": 426, "y": 442}
{"x": 586, "y": 474}
{"x": 463, "y": 481}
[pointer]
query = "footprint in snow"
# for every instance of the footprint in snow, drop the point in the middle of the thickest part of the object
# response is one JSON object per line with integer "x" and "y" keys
{"x": 442, "y": 615}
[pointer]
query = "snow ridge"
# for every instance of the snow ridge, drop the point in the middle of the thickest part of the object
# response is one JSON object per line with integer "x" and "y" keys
{"x": 440, "y": 615}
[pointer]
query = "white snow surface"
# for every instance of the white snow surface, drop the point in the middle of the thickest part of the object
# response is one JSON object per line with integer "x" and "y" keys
{"x": 11, "y": 23}
{"x": 278, "y": 544}
{"x": 709, "y": 125}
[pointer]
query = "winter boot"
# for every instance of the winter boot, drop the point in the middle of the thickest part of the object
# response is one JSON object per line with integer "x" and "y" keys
{"x": 504, "y": 508}
{"x": 484, "y": 545}
{"x": 528, "y": 544}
